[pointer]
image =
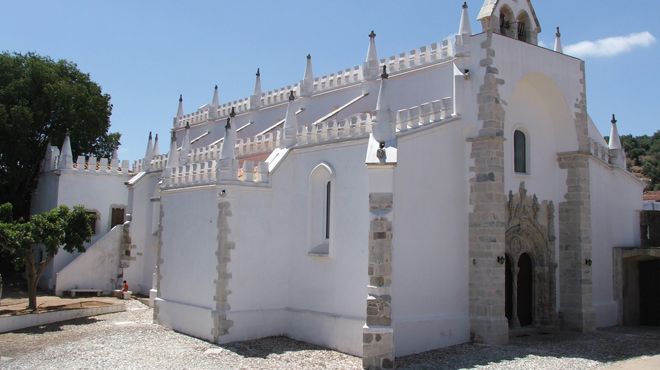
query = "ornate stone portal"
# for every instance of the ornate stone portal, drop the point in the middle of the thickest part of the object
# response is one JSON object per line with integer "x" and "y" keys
{"x": 530, "y": 231}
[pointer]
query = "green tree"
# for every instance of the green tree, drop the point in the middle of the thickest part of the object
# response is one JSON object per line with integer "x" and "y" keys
{"x": 643, "y": 154}
{"x": 40, "y": 99}
{"x": 60, "y": 227}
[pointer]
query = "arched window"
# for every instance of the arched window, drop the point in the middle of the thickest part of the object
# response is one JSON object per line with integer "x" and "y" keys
{"x": 523, "y": 25}
{"x": 506, "y": 18}
{"x": 320, "y": 209}
{"x": 519, "y": 152}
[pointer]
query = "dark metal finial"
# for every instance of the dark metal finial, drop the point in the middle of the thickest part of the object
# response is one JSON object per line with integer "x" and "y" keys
{"x": 232, "y": 114}
{"x": 258, "y": 72}
{"x": 372, "y": 35}
{"x": 216, "y": 87}
{"x": 558, "y": 34}
{"x": 614, "y": 121}
{"x": 149, "y": 135}
{"x": 384, "y": 75}
{"x": 173, "y": 135}
{"x": 180, "y": 98}
{"x": 228, "y": 125}
{"x": 292, "y": 97}
{"x": 465, "y": 6}
{"x": 309, "y": 56}
{"x": 187, "y": 125}
{"x": 156, "y": 137}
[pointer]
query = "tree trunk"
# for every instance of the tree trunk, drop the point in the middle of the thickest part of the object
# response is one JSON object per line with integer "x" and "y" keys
{"x": 34, "y": 272}
{"x": 31, "y": 281}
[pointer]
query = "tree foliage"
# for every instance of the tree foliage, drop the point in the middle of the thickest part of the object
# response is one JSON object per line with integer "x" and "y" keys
{"x": 60, "y": 227}
{"x": 643, "y": 155}
{"x": 40, "y": 99}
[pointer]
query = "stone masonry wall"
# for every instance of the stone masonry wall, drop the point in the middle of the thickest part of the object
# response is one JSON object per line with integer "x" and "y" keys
{"x": 221, "y": 324}
{"x": 487, "y": 220}
{"x": 575, "y": 284}
{"x": 378, "y": 334}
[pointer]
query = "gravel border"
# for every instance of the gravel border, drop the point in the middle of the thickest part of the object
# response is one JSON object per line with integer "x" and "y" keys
{"x": 128, "y": 340}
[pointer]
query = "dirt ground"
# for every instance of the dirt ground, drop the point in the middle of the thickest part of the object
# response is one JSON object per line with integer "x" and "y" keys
{"x": 14, "y": 301}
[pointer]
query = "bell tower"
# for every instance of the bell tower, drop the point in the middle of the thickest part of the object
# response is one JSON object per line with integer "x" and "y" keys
{"x": 512, "y": 18}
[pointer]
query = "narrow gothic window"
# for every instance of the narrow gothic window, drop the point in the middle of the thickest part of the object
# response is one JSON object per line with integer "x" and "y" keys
{"x": 522, "y": 31}
{"x": 327, "y": 209}
{"x": 320, "y": 209}
{"x": 519, "y": 152}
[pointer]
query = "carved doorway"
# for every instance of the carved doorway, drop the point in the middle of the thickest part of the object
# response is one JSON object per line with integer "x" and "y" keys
{"x": 525, "y": 292}
{"x": 508, "y": 288}
{"x": 530, "y": 262}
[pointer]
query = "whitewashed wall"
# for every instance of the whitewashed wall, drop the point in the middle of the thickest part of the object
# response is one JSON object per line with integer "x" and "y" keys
{"x": 616, "y": 201}
{"x": 429, "y": 268}
{"x": 95, "y": 191}
{"x": 96, "y": 268}
{"x": 188, "y": 267}
{"x": 144, "y": 209}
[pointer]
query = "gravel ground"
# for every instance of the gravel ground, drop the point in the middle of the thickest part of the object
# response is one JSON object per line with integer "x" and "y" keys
{"x": 128, "y": 340}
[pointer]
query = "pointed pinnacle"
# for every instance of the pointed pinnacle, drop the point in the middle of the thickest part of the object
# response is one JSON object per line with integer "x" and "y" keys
{"x": 292, "y": 97}
{"x": 384, "y": 75}
{"x": 372, "y": 35}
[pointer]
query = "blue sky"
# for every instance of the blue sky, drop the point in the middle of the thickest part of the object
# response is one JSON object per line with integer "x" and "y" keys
{"x": 144, "y": 53}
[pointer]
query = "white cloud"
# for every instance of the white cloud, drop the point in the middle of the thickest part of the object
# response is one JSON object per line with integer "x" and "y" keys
{"x": 610, "y": 46}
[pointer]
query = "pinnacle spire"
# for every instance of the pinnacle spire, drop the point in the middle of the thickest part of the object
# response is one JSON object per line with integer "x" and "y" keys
{"x": 179, "y": 111}
{"x": 615, "y": 141}
{"x": 156, "y": 150}
{"x": 558, "y": 47}
{"x": 148, "y": 154}
{"x": 290, "y": 122}
{"x": 216, "y": 98}
{"x": 173, "y": 156}
{"x": 185, "y": 146}
{"x": 465, "y": 28}
{"x": 307, "y": 84}
{"x": 228, "y": 150}
{"x": 383, "y": 130}
{"x": 371, "y": 67}
{"x": 255, "y": 99}
{"x": 66, "y": 155}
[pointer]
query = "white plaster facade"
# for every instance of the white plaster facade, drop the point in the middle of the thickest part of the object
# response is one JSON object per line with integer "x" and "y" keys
{"x": 249, "y": 252}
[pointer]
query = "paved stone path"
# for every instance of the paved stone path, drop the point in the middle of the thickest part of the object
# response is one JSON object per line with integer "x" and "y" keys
{"x": 128, "y": 340}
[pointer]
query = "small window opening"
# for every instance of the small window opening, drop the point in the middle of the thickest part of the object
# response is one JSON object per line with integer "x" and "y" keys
{"x": 519, "y": 152}
{"x": 327, "y": 209}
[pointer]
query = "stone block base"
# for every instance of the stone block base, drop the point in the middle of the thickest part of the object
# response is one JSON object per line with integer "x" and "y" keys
{"x": 578, "y": 320}
{"x": 378, "y": 348}
{"x": 489, "y": 330}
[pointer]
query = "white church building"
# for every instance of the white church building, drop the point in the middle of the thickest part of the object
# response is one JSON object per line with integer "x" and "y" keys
{"x": 456, "y": 192}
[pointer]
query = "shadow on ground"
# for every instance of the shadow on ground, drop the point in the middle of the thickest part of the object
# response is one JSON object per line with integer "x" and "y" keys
{"x": 56, "y": 326}
{"x": 262, "y": 348}
{"x": 608, "y": 345}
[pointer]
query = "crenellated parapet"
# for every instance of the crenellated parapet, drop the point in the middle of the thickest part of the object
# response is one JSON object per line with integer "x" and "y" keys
{"x": 208, "y": 173}
{"x": 406, "y": 61}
